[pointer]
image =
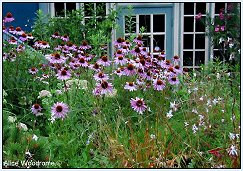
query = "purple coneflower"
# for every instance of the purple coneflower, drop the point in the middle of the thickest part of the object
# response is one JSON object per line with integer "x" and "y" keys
{"x": 127, "y": 43}
{"x": 63, "y": 74}
{"x": 83, "y": 62}
{"x": 84, "y": 45}
{"x": 138, "y": 40}
{"x": 44, "y": 45}
{"x": 55, "y": 58}
{"x": 23, "y": 37}
{"x": 30, "y": 36}
{"x": 65, "y": 38}
{"x": 104, "y": 61}
{"x": 33, "y": 70}
{"x": 177, "y": 69}
{"x": 12, "y": 41}
{"x": 136, "y": 51}
{"x": 5, "y": 56}
{"x": 20, "y": 48}
{"x": 130, "y": 70}
{"x": 59, "y": 110}
{"x": 130, "y": 86}
{"x": 176, "y": 58}
{"x": 173, "y": 80}
{"x": 159, "y": 84}
{"x": 119, "y": 42}
{"x": 101, "y": 76}
{"x": 95, "y": 67}
{"x": 55, "y": 35}
{"x": 138, "y": 105}
{"x": 36, "y": 108}
{"x": 19, "y": 31}
{"x": 9, "y": 18}
{"x": 104, "y": 87}
{"x": 118, "y": 72}
{"x": 119, "y": 53}
{"x": 120, "y": 60}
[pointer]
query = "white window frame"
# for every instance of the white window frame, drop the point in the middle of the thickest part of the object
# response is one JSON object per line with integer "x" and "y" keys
{"x": 151, "y": 34}
{"x": 182, "y": 33}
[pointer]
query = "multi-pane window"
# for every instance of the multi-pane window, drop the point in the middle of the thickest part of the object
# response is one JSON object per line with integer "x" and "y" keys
{"x": 193, "y": 35}
{"x": 61, "y": 8}
{"x": 153, "y": 35}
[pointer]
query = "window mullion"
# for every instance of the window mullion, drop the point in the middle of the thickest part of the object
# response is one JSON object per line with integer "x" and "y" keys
{"x": 151, "y": 35}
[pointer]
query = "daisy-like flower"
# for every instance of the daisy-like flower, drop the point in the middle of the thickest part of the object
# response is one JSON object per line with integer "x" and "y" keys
{"x": 125, "y": 49}
{"x": 232, "y": 151}
{"x": 20, "y": 48}
{"x": 12, "y": 41}
{"x": 34, "y": 137}
{"x": 120, "y": 60}
{"x": 23, "y": 37}
{"x": 9, "y": 18}
{"x": 65, "y": 38}
{"x": 36, "y": 108}
{"x": 83, "y": 62}
{"x": 55, "y": 35}
{"x": 176, "y": 58}
{"x": 11, "y": 30}
{"x": 104, "y": 61}
{"x": 194, "y": 128}
{"x": 177, "y": 69}
{"x": 119, "y": 42}
{"x": 19, "y": 31}
{"x": 130, "y": 86}
{"x": 130, "y": 70}
{"x": 55, "y": 58}
{"x": 118, "y": 72}
{"x": 59, "y": 110}
{"x": 4, "y": 29}
{"x": 136, "y": 51}
{"x": 44, "y": 45}
{"x": 33, "y": 70}
{"x": 138, "y": 40}
{"x": 119, "y": 53}
{"x": 101, "y": 76}
{"x": 5, "y": 56}
{"x": 104, "y": 87}
{"x": 95, "y": 67}
{"x": 138, "y": 105}
{"x": 159, "y": 84}
{"x": 85, "y": 45}
{"x": 173, "y": 80}
{"x": 30, "y": 36}
{"x": 63, "y": 74}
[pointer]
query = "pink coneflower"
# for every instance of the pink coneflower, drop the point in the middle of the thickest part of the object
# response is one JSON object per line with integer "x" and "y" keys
{"x": 176, "y": 58}
{"x": 85, "y": 45}
{"x": 36, "y": 108}
{"x": 70, "y": 46}
{"x": 9, "y": 18}
{"x": 216, "y": 28}
{"x": 65, "y": 38}
{"x": 19, "y": 31}
{"x": 144, "y": 51}
{"x": 199, "y": 15}
{"x": 125, "y": 49}
{"x": 63, "y": 74}
{"x": 30, "y": 36}
{"x": 23, "y": 37}
{"x": 136, "y": 51}
{"x": 138, "y": 40}
{"x": 127, "y": 43}
{"x": 177, "y": 69}
{"x": 33, "y": 70}
{"x": 119, "y": 42}
{"x": 44, "y": 45}
{"x": 59, "y": 110}
{"x": 5, "y": 56}
{"x": 138, "y": 105}
{"x": 104, "y": 87}
{"x": 222, "y": 28}
{"x": 95, "y": 67}
{"x": 12, "y": 41}
{"x": 137, "y": 63}
{"x": 221, "y": 16}
{"x": 159, "y": 84}
{"x": 55, "y": 35}
{"x": 83, "y": 62}
{"x": 20, "y": 48}
{"x": 101, "y": 76}
{"x": 173, "y": 80}
{"x": 74, "y": 65}
{"x": 88, "y": 57}
{"x": 55, "y": 58}
{"x": 167, "y": 64}
{"x": 130, "y": 86}
{"x": 118, "y": 72}
{"x": 4, "y": 29}
{"x": 120, "y": 60}
{"x": 130, "y": 70}
{"x": 141, "y": 73}
{"x": 119, "y": 53}
{"x": 11, "y": 30}
{"x": 104, "y": 61}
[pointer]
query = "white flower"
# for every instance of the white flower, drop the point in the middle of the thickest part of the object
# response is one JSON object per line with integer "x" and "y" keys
{"x": 189, "y": 91}
{"x": 222, "y": 110}
{"x": 35, "y": 137}
{"x": 239, "y": 51}
{"x": 207, "y": 110}
{"x": 228, "y": 74}
{"x": 44, "y": 93}
{"x": 173, "y": 106}
{"x": 186, "y": 124}
{"x": 58, "y": 92}
{"x": 209, "y": 103}
{"x": 194, "y": 74}
{"x": 231, "y": 136}
{"x": 232, "y": 151}
{"x": 218, "y": 76}
{"x": 201, "y": 98}
{"x": 229, "y": 39}
{"x": 201, "y": 117}
{"x": 152, "y": 136}
{"x": 23, "y": 126}
{"x": 169, "y": 114}
{"x": 12, "y": 119}
{"x": 231, "y": 45}
{"x": 232, "y": 118}
{"x": 221, "y": 40}
{"x": 194, "y": 128}
{"x": 222, "y": 120}
{"x": 232, "y": 56}
{"x": 195, "y": 89}
{"x": 219, "y": 99}
{"x": 215, "y": 101}
{"x": 194, "y": 111}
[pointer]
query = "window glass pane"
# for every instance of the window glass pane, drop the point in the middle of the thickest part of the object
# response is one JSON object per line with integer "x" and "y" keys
{"x": 159, "y": 40}
{"x": 200, "y": 41}
{"x": 88, "y": 9}
{"x": 199, "y": 26}
{"x": 201, "y": 7}
{"x": 130, "y": 24}
{"x": 144, "y": 21}
{"x": 146, "y": 41}
{"x": 101, "y": 9}
{"x": 189, "y": 8}
{"x": 188, "y": 58}
{"x": 218, "y": 7}
{"x": 188, "y": 24}
{"x": 59, "y": 9}
{"x": 199, "y": 58}
{"x": 188, "y": 41}
{"x": 159, "y": 23}
{"x": 70, "y": 6}
{"x": 217, "y": 55}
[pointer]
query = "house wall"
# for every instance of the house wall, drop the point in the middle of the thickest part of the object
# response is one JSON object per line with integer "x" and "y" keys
{"x": 24, "y": 13}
